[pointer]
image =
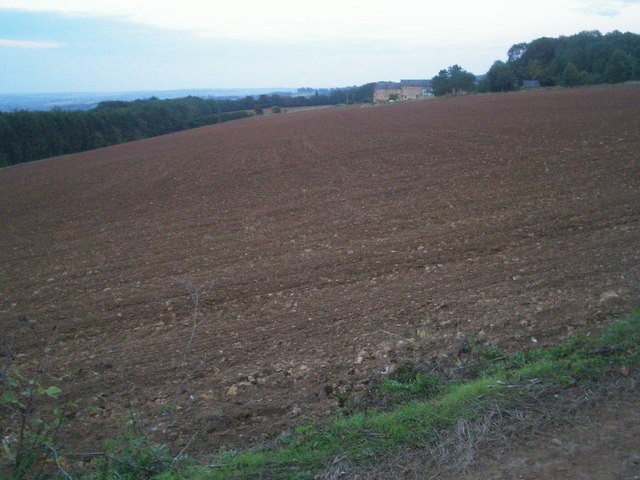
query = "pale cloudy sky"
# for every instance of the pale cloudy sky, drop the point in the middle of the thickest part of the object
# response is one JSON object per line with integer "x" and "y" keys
{"x": 116, "y": 45}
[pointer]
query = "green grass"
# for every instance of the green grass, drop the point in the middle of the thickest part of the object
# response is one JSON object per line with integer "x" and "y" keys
{"x": 363, "y": 436}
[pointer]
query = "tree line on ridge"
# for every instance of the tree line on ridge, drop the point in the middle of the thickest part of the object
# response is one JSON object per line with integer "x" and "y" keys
{"x": 586, "y": 58}
{"x": 33, "y": 135}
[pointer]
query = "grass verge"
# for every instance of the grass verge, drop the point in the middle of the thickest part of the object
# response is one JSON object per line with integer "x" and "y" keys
{"x": 362, "y": 437}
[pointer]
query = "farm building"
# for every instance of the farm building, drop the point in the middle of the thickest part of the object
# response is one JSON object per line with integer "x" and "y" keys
{"x": 415, "y": 89}
{"x": 385, "y": 91}
{"x": 404, "y": 90}
{"x": 531, "y": 84}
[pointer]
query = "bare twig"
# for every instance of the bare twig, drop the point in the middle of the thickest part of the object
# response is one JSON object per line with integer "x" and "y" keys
{"x": 86, "y": 454}
{"x": 196, "y": 293}
{"x": 9, "y": 346}
{"x": 57, "y": 460}
{"x": 184, "y": 449}
{"x": 180, "y": 388}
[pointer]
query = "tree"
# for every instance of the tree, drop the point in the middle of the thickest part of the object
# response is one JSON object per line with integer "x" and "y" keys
{"x": 621, "y": 67}
{"x": 441, "y": 83}
{"x": 461, "y": 80}
{"x": 453, "y": 80}
{"x": 501, "y": 77}
{"x": 516, "y": 51}
{"x": 570, "y": 76}
{"x": 265, "y": 101}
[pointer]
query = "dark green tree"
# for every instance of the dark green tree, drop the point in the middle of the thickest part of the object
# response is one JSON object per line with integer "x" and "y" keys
{"x": 441, "y": 83}
{"x": 570, "y": 76}
{"x": 500, "y": 77}
{"x": 516, "y": 51}
{"x": 453, "y": 80}
{"x": 461, "y": 80}
{"x": 621, "y": 67}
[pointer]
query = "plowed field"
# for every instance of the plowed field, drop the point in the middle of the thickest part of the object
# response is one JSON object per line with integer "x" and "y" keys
{"x": 330, "y": 245}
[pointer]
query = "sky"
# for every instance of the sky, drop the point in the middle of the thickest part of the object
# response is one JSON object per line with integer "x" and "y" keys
{"x": 125, "y": 45}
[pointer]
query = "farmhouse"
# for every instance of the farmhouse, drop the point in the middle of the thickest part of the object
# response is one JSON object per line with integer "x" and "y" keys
{"x": 385, "y": 91}
{"x": 404, "y": 90}
{"x": 415, "y": 89}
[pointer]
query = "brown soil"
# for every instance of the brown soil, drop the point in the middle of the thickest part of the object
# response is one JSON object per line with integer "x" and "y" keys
{"x": 328, "y": 237}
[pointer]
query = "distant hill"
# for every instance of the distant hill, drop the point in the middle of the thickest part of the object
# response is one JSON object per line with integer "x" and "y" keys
{"x": 89, "y": 100}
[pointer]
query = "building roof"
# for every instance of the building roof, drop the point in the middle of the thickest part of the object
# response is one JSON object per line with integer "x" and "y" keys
{"x": 387, "y": 86}
{"x": 531, "y": 84}
{"x": 416, "y": 83}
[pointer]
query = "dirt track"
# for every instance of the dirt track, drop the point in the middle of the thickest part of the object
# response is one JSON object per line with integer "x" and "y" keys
{"x": 328, "y": 237}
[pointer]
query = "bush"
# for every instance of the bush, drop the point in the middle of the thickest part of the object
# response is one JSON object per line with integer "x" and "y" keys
{"x": 131, "y": 456}
{"x": 409, "y": 383}
{"x": 29, "y": 418}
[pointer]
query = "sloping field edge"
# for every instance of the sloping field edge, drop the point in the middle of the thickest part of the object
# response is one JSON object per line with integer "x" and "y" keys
{"x": 362, "y": 437}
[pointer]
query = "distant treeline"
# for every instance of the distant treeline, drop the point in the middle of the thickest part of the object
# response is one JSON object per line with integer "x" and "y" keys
{"x": 586, "y": 58}
{"x": 27, "y": 135}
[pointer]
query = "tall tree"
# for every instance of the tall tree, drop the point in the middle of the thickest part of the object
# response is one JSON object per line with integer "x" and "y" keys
{"x": 621, "y": 67}
{"x": 453, "y": 80}
{"x": 570, "y": 76}
{"x": 500, "y": 77}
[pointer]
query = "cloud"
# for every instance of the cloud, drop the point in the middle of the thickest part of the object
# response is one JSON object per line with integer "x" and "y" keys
{"x": 242, "y": 19}
{"x": 6, "y": 42}
{"x": 606, "y": 8}
{"x": 419, "y": 23}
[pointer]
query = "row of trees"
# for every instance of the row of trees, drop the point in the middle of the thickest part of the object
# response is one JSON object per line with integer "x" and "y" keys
{"x": 586, "y": 58}
{"x": 583, "y": 59}
{"x": 27, "y": 135}
{"x": 338, "y": 96}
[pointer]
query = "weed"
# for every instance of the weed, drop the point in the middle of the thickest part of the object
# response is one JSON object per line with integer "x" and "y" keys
{"x": 410, "y": 383}
{"x": 28, "y": 417}
{"x": 346, "y": 403}
{"x": 30, "y": 420}
{"x": 131, "y": 455}
{"x": 423, "y": 332}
